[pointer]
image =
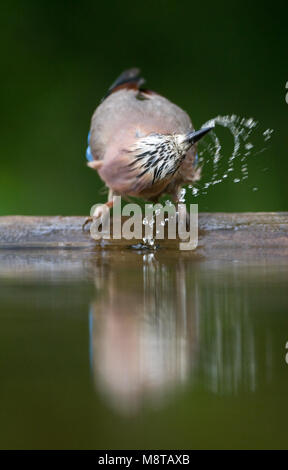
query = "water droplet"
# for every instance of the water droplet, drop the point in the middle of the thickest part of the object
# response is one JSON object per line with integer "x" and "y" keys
{"x": 267, "y": 134}
{"x": 182, "y": 195}
{"x": 195, "y": 191}
{"x": 248, "y": 146}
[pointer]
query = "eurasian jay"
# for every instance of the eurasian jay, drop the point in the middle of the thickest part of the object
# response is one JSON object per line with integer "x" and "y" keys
{"x": 141, "y": 144}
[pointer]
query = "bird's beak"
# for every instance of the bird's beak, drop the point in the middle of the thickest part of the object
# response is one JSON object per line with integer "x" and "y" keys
{"x": 194, "y": 136}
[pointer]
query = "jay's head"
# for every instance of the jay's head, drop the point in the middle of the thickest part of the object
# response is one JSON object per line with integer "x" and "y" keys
{"x": 163, "y": 153}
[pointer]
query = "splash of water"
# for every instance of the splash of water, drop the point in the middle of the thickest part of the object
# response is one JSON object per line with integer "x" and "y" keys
{"x": 211, "y": 152}
{"x": 212, "y": 156}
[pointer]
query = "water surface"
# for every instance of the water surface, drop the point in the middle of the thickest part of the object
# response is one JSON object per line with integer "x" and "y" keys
{"x": 139, "y": 349}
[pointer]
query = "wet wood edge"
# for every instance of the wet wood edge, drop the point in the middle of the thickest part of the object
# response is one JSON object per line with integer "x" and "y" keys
{"x": 260, "y": 234}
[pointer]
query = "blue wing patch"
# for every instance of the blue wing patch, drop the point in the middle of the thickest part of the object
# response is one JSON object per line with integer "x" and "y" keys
{"x": 196, "y": 159}
{"x": 89, "y": 155}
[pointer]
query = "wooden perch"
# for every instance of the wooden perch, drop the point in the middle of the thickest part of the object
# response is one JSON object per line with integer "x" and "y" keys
{"x": 221, "y": 235}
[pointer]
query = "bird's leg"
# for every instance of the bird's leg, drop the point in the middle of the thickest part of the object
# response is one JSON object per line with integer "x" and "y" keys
{"x": 98, "y": 212}
{"x": 100, "y": 209}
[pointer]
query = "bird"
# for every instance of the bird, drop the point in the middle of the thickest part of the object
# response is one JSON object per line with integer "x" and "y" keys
{"x": 141, "y": 144}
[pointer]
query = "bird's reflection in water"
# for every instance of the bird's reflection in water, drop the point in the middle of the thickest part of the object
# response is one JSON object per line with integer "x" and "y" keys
{"x": 155, "y": 324}
{"x": 143, "y": 327}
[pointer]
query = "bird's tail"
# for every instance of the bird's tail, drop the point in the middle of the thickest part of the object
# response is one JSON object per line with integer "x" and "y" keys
{"x": 130, "y": 78}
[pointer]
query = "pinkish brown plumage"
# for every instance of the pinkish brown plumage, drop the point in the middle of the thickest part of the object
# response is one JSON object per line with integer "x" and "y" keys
{"x": 141, "y": 144}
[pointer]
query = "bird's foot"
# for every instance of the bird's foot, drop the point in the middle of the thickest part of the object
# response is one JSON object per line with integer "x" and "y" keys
{"x": 86, "y": 222}
{"x": 99, "y": 212}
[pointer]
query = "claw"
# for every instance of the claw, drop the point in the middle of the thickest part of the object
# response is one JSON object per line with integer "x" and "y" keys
{"x": 87, "y": 221}
{"x": 99, "y": 212}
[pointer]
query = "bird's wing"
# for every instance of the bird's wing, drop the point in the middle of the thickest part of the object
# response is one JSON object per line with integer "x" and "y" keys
{"x": 129, "y": 79}
{"x": 128, "y": 113}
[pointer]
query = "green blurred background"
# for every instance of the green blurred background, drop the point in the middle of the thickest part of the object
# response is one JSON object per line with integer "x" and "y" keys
{"x": 59, "y": 57}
